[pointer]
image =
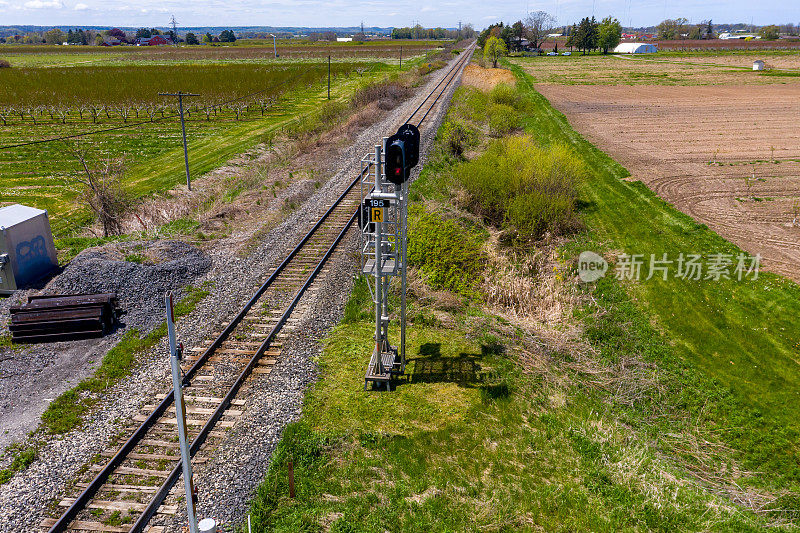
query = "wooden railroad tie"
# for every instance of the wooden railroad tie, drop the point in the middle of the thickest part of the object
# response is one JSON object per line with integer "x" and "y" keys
{"x": 120, "y": 506}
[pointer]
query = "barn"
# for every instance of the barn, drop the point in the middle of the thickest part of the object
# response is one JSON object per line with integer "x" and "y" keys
{"x": 635, "y": 48}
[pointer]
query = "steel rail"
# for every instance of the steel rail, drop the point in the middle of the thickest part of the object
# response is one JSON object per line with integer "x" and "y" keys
{"x": 88, "y": 493}
{"x": 437, "y": 86}
{"x": 163, "y": 491}
{"x": 455, "y": 71}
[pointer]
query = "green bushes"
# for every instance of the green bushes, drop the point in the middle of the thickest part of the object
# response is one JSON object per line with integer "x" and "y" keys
{"x": 505, "y": 94}
{"x": 458, "y": 137}
{"x": 387, "y": 94}
{"x": 523, "y": 188}
{"x": 469, "y": 104}
{"x": 503, "y": 119}
{"x": 448, "y": 254}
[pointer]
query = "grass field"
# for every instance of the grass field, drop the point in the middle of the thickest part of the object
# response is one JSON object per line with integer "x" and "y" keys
{"x": 289, "y": 51}
{"x": 739, "y": 333}
{"x": 678, "y": 416}
{"x": 661, "y": 69}
{"x": 240, "y": 102}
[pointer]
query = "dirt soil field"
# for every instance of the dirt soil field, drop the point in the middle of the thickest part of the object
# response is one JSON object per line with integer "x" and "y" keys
{"x": 486, "y": 78}
{"x": 727, "y": 156}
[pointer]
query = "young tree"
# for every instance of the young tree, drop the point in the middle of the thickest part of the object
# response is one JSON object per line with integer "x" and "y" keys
{"x": 707, "y": 29}
{"x": 495, "y": 47}
{"x": 769, "y": 33}
{"x": 104, "y": 192}
{"x": 54, "y": 36}
{"x": 518, "y": 30}
{"x": 191, "y": 39}
{"x": 117, "y": 34}
{"x": 98, "y": 40}
{"x": 609, "y": 34}
{"x": 571, "y": 36}
{"x": 207, "y": 38}
{"x": 672, "y": 29}
{"x": 586, "y": 35}
{"x": 537, "y": 26}
{"x": 227, "y": 36}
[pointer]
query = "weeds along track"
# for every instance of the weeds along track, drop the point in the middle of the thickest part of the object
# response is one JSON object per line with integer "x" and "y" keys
{"x": 129, "y": 485}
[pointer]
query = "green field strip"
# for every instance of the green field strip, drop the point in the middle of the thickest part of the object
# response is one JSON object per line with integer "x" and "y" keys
{"x": 43, "y": 175}
{"x": 741, "y": 333}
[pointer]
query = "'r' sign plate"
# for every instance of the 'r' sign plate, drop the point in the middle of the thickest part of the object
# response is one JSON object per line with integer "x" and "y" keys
{"x": 377, "y": 209}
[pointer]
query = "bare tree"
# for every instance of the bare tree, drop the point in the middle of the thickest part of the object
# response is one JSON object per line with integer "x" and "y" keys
{"x": 103, "y": 191}
{"x": 537, "y": 26}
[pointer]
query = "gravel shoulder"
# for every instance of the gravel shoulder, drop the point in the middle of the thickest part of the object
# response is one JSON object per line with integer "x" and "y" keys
{"x": 239, "y": 462}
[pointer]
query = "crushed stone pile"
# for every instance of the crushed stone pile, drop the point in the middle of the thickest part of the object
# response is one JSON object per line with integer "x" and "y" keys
{"x": 140, "y": 273}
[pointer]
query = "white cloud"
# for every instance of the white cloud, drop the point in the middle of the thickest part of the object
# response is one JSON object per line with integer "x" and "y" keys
{"x": 427, "y": 8}
{"x": 39, "y": 4}
{"x": 81, "y": 7}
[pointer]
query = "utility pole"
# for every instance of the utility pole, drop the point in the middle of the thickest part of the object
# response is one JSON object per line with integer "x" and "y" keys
{"x": 180, "y": 96}
{"x": 329, "y": 76}
{"x": 274, "y": 45}
{"x": 174, "y": 24}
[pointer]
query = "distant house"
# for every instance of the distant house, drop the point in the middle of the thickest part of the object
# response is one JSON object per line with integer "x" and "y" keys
{"x": 635, "y": 48}
{"x": 111, "y": 41}
{"x": 344, "y": 39}
{"x": 758, "y": 65}
{"x": 155, "y": 40}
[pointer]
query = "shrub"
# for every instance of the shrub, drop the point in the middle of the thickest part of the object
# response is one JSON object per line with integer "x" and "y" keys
{"x": 448, "y": 254}
{"x": 523, "y": 188}
{"x": 457, "y": 137}
{"x": 470, "y": 103}
{"x": 504, "y": 93}
{"x": 4, "y": 63}
{"x": 386, "y": 93}
{"x": 503, "y": 119}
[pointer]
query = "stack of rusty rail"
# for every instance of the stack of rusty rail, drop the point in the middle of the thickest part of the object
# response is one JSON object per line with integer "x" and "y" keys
{"x": 63, "y": 317}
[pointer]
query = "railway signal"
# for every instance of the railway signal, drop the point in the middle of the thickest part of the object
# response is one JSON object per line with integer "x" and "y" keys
{"x": 383, "y": 225}
{"x": 402, "y": 154}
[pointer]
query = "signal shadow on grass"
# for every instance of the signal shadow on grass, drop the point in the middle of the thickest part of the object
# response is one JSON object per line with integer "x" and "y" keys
{"x": 464, "y": 370}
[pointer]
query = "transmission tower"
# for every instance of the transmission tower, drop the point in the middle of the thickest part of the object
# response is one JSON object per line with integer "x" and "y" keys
{"x": 174, "y": 24}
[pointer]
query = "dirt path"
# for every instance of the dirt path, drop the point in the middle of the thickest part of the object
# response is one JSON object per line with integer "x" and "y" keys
{"x": 729, "y": 156}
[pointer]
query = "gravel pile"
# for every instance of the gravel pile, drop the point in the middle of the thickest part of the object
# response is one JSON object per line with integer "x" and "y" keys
{"x": 140, "y": 286}
{"x": 273, "y": 402}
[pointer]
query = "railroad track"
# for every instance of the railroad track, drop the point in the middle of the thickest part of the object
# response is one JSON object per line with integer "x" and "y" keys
{"x": 130, "y": 487}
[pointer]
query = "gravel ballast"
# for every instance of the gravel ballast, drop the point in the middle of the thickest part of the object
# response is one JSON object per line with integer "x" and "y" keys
{"x": 227, "y": 482}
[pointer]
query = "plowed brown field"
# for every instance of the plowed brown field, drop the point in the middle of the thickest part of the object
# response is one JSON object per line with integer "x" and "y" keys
{"x": 699, "y": 148}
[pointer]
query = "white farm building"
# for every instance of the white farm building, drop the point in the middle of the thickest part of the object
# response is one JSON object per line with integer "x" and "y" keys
{"x": 635, "y": 48}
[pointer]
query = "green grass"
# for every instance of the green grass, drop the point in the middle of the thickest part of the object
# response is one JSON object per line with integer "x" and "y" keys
{"x": 738, "y": 334}
{"x": 44, "y": 175}
{"x": 469, "y": 442}
{"x": 67, "y": 411}
{"x": 23, "y": 457}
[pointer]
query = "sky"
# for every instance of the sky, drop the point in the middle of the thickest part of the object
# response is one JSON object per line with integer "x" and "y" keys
{"x": 383, "y": 13}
